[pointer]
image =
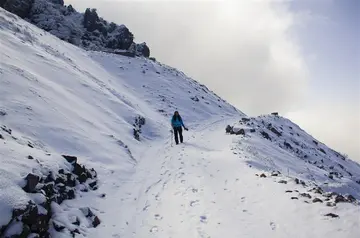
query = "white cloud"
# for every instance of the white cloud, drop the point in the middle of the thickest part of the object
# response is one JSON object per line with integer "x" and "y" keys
{"x": 241, "y": 49}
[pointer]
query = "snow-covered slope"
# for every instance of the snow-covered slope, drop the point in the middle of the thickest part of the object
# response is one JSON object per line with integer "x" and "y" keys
{"x": 113, "y": 113}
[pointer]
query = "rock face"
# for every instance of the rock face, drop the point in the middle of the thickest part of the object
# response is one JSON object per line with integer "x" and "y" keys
{"x": 86, "y": 30}
{"x": 53, "y": 188}
{"x": 19, "y": 7}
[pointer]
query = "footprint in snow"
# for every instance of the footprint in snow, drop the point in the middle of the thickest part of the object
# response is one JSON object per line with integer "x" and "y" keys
{"x": 194, "y": 203}
{"x": 273, "y": 226}
{"x": 203, "y": 219}
{"x": 154, "y": 229}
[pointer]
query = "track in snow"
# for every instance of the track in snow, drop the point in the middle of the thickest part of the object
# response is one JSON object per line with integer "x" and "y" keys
{"x": 202, "y": 189}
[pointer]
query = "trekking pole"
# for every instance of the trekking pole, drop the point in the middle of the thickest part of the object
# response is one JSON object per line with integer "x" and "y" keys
{"x": 171, "y": 138}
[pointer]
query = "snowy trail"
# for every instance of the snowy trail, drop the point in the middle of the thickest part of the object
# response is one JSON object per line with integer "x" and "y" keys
{"x": 202, "y": 189}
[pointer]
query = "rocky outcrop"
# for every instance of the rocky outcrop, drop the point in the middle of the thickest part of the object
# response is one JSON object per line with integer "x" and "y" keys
{"x": 37, "y": 217}
{"x": 86, "y": 30}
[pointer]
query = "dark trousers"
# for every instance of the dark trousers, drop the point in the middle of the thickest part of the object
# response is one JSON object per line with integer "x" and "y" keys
{"x": 178, "y": 132}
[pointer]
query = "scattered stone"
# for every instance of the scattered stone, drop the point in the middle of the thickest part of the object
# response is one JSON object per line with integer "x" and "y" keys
{"x": 330, "y": 204}
{"x": 275, "y": 173}
{"x": 331, "y": 215}
{"x": 7, "y": 130}
{"x": 340, "y": 198}
{"x": 266, "y": 135}
{"x": 58, "y": 227}
{"x": 288, "y": 191}
{"x": 103, "y": 195}
{"x": 96, "y": 222}
{"x": 30, "y": 145}
{"x": 317, "y": 200}
{"x": 315, "y": 142}
{"x": 276, "y": 132}
{"x": 294, "y": 198}
{"x": 244, "y": 119}
{"x": 31, "y": 181}
{"x": 287, "y": 145}
{"x": 322, "y": 150}
{"x": 305, "y": 195}
{"x": 2, "y": 113}
{"x": 228, "y": 129}
{"x": 275, "y": 114}
{"x": 283, "y": 181}
{"x": 70, "y": 159}
{"x": 77, "y": 222}
{"x": 240, "y": 132}
{"x": 30, "y": 157}
{"x": 252, "y": 130}
{"x": 92, "y": 184}
{"x": 297, "y": 181}
{"x": 1, "y": 137}
{"x": 351, "y": 198}
{"x": 262, "y": 175}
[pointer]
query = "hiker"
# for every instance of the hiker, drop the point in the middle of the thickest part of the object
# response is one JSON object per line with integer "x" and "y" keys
{"x": 177, "y": 124}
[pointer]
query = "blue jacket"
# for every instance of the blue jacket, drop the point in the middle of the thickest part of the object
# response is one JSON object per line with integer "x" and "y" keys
{"x": 177, "y": 122}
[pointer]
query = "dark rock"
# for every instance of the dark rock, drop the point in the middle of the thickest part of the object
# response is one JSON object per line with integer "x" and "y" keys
{"x": 61, "y": 171}
{"x": 77, "y": 222}
{"x": 78, "y": 169}
{"x": 92, "y": 184}
{"x": 70, "y": 159}
{"x": 296, "y": 198}
{"x": 275, "y": 114}
{"x": 50, "y": 178}
{"x": 283, "y": 181}
{"x": 7, "y": 130}
{"x": 70, "y": 180}
{"x": 340, "y": 198}
{"x": 297, "y": 181}
{"x": 31, "y": 181}
{"x": 262, "y": 175}
{"x": 252, "y": 130}
{"x": 330, "y": 204}
{"x": 315, "y": 200}
{"x": 287, "y": 145}
{"x": 30, "y": 145}
{"x": 30, "y": 157}
{"x": 318, "y": 190}
{"x": 275, "y": 173}
{"x": 58, "y": 227}
{"x": 330, "y": 176}
{"x": 315, "y": 142}
{"x": 228, "y": 129}
{"x": 305, "y": 195}
{"x": 276, "y": 132}
{"x": 288, "y": 191}
{"x": 103, "y": 195}
{"x": 1, "y": 137}
{"x": 96, "y": 222}
{"x": 75, "y": 231}
{"x": 244, "y": 119}
{"x": 60, "y": 180}
{"x": 195, "y": 98}
{"x": 240, "y": 132}
{"x": 322, "y": 150}
{"x": 351, "y": 198}
{"x": 2, "y": 113}
{"x": 71, "y": 194}
{"x": 82, "y": 178}
{"x": 331, "y": 215}
{"x": 265, "y": 135}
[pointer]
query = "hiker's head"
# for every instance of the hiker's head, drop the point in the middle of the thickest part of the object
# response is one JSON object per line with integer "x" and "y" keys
{"x": 176, "y": 113}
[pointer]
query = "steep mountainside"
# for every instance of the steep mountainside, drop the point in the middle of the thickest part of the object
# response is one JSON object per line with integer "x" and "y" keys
{"x": 86, "y": 30}
{"x": 86, "y": 150}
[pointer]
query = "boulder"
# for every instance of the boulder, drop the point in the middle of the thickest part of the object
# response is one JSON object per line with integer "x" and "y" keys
{"x": 31, "y": 181}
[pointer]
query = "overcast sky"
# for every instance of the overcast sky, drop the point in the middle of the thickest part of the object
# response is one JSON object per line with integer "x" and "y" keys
{"x": 300, "y": 58}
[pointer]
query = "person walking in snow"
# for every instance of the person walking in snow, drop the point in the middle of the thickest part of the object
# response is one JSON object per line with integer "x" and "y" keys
{"x": 177, "y": 124}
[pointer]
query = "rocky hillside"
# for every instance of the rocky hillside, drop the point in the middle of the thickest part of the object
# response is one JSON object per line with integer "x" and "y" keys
{"x": 86, "y": 30}
{"x": 295, "y": 153}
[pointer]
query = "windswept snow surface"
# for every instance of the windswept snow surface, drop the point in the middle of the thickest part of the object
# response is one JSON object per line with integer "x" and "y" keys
{"x": 69, "y": 101}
